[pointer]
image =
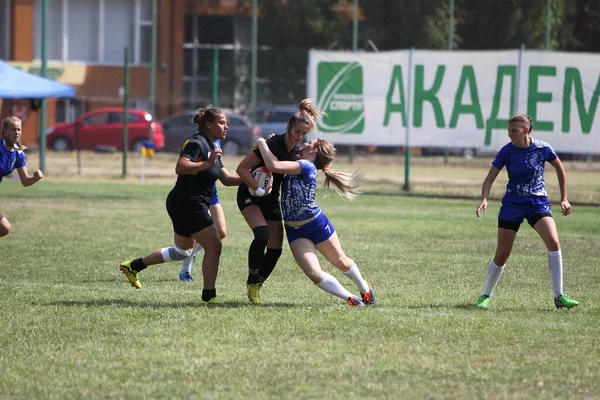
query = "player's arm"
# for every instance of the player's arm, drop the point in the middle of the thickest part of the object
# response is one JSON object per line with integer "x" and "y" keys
{"x": 186, "y": 164}
{"x": 26, "y": 179}
{"x": 273, "y": 164}
{"x": 565, "y": 206}
{"x": 244, "y": 169}
{"x": 229, "y": 179}
{"x": 486, "y": 188}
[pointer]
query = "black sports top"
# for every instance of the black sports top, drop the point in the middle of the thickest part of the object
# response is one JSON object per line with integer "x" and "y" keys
{"x": 279, "y": 149}
{"x": 200, "y": 186}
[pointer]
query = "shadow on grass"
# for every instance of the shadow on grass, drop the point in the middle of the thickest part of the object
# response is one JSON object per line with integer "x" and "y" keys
{"x": 199, "y": 303}
{"x": 473, "y": 307}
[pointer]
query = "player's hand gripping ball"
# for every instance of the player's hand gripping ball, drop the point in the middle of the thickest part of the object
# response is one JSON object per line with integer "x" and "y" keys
{"x": 263, "y": 178}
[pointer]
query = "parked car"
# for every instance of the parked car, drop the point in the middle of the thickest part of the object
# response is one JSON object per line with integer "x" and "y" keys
{"x": 274, "y": 119}
{"x": 239, "y": 139}
{"x": 103, "y": 128}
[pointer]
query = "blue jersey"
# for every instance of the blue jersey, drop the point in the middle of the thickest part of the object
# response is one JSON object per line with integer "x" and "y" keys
{"x": 525, "y": 167}
{"x": 10, "y": 160}
{"x": 298, "y": 194}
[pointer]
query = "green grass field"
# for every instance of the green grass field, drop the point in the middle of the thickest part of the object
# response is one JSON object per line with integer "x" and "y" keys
{"x": 72, "y": 327}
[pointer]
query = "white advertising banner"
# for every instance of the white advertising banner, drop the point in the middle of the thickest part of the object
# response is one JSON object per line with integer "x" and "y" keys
{"x": 456, "y": 99}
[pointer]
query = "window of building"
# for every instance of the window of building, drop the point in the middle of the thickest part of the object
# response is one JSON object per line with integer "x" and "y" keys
{"x": 82, "y": 24}
{"x": 96, "y": 31}
{"x": 143, "y": 20}
{"x": 5, "y": 29}
{"x": 117, "y": 15}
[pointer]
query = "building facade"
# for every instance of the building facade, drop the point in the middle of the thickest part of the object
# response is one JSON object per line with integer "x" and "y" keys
{"x": 86, "y": 41}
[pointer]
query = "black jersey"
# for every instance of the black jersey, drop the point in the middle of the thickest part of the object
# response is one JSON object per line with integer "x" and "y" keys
{"x": 199, "y": 187}
{"x": 279, "y": 149}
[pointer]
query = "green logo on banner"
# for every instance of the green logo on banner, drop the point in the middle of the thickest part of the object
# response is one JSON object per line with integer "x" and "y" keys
{"x": 340, "y": 96}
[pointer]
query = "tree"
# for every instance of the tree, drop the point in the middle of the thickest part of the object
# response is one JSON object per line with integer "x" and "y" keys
{"x": 401, "y": 24}
{"x": 288, "y": 30}
{"x": 506, "y": 24}
{"x": 585, "y": 26}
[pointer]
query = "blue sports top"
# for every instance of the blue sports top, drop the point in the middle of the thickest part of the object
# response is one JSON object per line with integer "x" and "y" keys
{"x": 10, "y": 160}
{"x": 298, "y": 194}
{"x": 525, "y": 167}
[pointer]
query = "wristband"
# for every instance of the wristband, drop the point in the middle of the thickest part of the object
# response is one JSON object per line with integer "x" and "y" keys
{"x": 260, "y": 192}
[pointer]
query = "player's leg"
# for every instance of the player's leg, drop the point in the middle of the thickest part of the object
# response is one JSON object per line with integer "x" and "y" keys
{"x": 305, "y": 254}
{"x": 256, "y": 221}
{"x": 273, "y": 251}
{"x": 187, "y": 217}
{"x": 218, "y": 216}
{"x": 545, "y": 226}
{"x": 333, "y": 252}
{"x": 507, "y": 232}
{"x": 5, "y": 226}
{"x": 185, "y": 275}
{"x": 181, "y": 249}
{"x": 210, "y": 241}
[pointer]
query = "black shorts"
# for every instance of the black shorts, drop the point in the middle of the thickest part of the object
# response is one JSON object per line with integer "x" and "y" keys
{"x": 188, "y": 216}
{"x": 531, "y": 219}
{"x": 270, "y": 206}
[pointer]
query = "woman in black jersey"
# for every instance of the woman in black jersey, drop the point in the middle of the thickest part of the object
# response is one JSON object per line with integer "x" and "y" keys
{"x": 198, "y": 167}
{"x": 262, "y": 211}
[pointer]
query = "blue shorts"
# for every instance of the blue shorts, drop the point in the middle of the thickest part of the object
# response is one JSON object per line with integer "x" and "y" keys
{"x": 317, "y": 230}
{"x": 214, "y": 199}
{"x": 510, "y": 217}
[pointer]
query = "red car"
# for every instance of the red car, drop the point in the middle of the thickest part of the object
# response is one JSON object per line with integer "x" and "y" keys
{"x": 103, "y": 127}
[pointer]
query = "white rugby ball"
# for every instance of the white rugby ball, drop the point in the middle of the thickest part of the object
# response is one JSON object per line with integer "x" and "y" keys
{"x": 263, "y": 178}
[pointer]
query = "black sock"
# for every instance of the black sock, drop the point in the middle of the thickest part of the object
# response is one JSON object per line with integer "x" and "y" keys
{"x": 138, "y": 265}
{"x": 208, "y": 294}
{"x": 255, "y": 259}
{"x": 268, "y": 265}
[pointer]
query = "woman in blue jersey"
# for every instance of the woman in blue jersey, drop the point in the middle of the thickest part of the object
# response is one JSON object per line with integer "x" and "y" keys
{"x": 262, "y": 210}
{"x": 525, "y": 198}
{"x": 11, "y": 158}
{"x": 307, "y": 228}
{"x": 198, "y": 167}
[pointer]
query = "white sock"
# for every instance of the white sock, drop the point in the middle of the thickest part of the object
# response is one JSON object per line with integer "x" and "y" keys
{"x": 354, "y": 274}
{"x": 556, "y": 271}
{"x": 493, "y": 276}
{"x": 186, "y": 265}
{"x": 333, "y": 286}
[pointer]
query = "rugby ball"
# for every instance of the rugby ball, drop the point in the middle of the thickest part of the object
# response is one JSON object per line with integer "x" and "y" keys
{"x": 263, "y": 178}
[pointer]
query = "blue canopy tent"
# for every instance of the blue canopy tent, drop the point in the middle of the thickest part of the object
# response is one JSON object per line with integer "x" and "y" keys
{"x": 17, "y": 84}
